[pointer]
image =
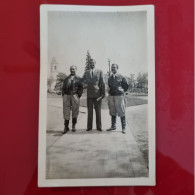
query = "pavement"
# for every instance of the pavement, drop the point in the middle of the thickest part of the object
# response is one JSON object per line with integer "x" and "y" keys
{"x": 91, "y": 154}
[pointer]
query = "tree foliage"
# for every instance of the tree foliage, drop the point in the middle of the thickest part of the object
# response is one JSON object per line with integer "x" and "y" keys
{"x": 138, "y": 83}
{"x": 88, "y": 60}
{"x": 59, "y": 81}
{"x": 131, "y": 81}
{"x": 142, "y": 80}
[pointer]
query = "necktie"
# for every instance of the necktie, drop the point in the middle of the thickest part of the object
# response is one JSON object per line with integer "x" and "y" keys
{"x": 92, "y": 73}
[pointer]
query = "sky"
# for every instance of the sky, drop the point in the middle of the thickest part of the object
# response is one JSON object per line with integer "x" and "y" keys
{"x": 118, "y": 36}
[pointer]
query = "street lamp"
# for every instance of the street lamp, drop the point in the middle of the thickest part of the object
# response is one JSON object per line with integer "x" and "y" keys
{"x": 109, "y": 66}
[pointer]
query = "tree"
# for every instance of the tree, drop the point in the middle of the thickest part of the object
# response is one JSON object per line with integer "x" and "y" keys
{"x": 131, "y": 80}
{"x": 88, "y": 60}
{"x": 59, "y": 81}
{"x": 145, "y": 80}
{"x": 142, "y": 81}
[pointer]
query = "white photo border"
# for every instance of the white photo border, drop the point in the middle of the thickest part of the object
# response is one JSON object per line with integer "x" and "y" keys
{"x": 141, "y": 181}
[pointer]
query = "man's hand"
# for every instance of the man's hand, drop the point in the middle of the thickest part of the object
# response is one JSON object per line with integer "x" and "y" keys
{"x": 100, "y": 98}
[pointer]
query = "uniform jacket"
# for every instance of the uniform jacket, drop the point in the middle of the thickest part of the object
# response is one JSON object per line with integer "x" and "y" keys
{"x": 72, "y": 87}
{"x": 95, "y": 84}
{"x": 117, "y": 85}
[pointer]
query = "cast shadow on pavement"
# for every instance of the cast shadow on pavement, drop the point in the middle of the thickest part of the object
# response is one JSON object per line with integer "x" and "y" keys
{"x": 81, "y": 131}
{"x": 92, "y": 132}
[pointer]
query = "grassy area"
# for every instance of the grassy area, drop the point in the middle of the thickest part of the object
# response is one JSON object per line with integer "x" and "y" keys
{"x": 131, "y": 100}
{"x": 54, "y": 95}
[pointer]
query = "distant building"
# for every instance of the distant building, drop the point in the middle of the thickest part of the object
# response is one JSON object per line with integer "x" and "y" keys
{"x": 51, "y": 82}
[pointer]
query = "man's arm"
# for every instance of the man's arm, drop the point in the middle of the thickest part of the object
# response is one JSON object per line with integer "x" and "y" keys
{"x": 125, "y": 85}
{"x": 80, "y": 88}
{"x": 102, "y": 84}
{"x": 83, "y": 79}
{"x": 63, "y": 88}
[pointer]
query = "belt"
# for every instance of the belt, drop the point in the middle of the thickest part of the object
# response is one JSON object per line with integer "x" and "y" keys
{"x": 71, "y": 93}
{"x": 116, "y": 94}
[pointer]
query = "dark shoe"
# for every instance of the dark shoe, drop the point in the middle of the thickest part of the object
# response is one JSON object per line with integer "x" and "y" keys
{"x": 123, "y": 131}
{"x": 88, "y": 129}
{"x": 111, "y": 129}
{"x": 99, "y": 129}
{"x": 66, "y": 128}
{"x": 65, "y": 131}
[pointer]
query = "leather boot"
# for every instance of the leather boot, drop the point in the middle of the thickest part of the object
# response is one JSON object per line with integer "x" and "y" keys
{"x": 113, "y": 124}
{"x": 74, "y": 121}
{"x": 123, "y": 123}
{"x": 66, "y": 128}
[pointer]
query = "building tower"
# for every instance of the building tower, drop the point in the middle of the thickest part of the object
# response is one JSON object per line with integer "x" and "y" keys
{"x": 53, "y": 74}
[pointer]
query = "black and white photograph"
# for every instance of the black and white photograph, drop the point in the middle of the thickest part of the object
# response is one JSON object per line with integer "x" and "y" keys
{"x": 97, "y": 96}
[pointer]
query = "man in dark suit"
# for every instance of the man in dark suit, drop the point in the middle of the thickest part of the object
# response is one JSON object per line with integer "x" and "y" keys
{"x": 95, "y": 92}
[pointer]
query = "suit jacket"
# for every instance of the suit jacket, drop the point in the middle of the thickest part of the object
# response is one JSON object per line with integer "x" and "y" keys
{"x": 95, "y": 84}
{"x": 72, "y": 87}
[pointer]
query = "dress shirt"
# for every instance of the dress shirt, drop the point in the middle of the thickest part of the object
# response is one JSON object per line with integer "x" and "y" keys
{"x": 92, "y": 72}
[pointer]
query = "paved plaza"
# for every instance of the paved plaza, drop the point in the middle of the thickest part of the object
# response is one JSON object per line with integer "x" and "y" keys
{"x": 91, "y": 154}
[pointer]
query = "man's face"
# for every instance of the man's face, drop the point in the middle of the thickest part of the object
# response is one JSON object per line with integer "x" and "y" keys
{"x": 72, "y": 70}
{"x": 92, "y": 65}
{"x": 114, "y": 69}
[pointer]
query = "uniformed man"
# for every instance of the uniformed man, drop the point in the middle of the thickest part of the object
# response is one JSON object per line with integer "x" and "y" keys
{"x": 71, "y": 92}
{"x": 94, "y": 80}
{"x": 116, "y": 100}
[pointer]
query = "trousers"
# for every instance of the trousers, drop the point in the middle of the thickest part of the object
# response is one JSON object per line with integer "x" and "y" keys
{"x": 70, "y": 104}
{"x": 92, "y": 102}
{"x": 116, "y": 105}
